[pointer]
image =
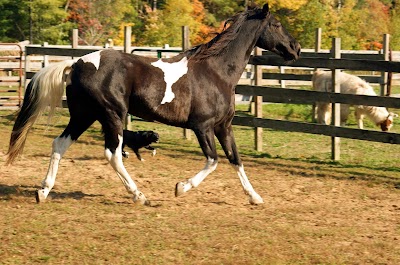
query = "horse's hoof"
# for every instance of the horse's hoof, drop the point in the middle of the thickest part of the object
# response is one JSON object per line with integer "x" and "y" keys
{"x": 139, "y": 198}
{"x": 256, "y": 199}
{"x": 179, "y": 189}
{"x": 40, "y": 196}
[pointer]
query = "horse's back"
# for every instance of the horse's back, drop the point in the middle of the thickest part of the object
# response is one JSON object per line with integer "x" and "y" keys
{"x": 349, "y": 84}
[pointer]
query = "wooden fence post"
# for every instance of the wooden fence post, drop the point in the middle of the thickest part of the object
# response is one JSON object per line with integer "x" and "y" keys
{"x": 318, "y": 39}
{"x": 45, "y": 57}
{"x": 127, "y": 49}
{"x": 258, "y": 101}
{"x": 336, "y": 46}
{"x": 317, "y": 48}
{"x": 384, "y": 75}
{"x": 282, "y": 71}
{"x": 75, "y": 38}
{"x": 186, "y": 45}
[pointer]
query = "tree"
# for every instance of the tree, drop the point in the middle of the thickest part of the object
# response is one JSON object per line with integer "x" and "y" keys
{"x": 349, "y": 20}
{"x": 164, "y": 26}
{"x": 204, "y": 30}
{"x": 375, "y": 11}
{"x": 395, "y": 28}
{"x": 152, "y": 32}
{"x": 219, "y": 10}
{"x": 37, "y": 20}
{"x": 305, "y": 25}
{"x": 99, "y": 20}
{"x": 13, "y": 16}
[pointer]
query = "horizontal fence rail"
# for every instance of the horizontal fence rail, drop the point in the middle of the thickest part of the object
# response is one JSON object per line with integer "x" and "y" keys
{"x": 297, "y": 96}
{"x": 330, "y": 63}
{"x": 328, "y": 130}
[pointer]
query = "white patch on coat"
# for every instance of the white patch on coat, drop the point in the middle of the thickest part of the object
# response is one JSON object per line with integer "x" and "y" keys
{"x": 172, "y": 73}
{"x": 93, "y": 58}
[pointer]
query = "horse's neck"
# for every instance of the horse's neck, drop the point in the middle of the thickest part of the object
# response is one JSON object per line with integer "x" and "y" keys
{"x": 234, "y": 60}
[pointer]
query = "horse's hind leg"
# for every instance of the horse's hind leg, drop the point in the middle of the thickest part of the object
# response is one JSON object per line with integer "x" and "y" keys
{"x": 207, "y": 144}
{"x": 112, "y": 127}
{"x": 227, "y": 140}
{"x": 60, "y": 145}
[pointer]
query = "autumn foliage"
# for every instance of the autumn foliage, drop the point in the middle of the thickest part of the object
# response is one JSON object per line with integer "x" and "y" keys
{"x": 360, "y": 24}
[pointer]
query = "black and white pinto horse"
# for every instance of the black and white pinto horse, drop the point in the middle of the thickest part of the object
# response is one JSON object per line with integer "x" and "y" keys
{"x": 194, "y": 90}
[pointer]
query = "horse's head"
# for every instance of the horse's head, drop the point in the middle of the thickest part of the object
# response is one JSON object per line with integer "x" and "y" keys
{"x": 387, "y": 124}
{"x": 275, "y": 38}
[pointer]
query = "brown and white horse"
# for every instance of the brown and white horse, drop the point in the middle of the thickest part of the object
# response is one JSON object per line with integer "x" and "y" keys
{"x": 193, "y": 90}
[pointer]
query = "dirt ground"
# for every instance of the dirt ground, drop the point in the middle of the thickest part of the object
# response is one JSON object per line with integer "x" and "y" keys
{"x": 314, "y": 213}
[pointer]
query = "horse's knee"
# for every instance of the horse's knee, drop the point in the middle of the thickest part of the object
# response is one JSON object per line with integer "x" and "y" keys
{"x": 61, "y": 144}
{"x": 113, "y": 149}
{"x": 108, "y": 155}
{"x": 233, "y": 158}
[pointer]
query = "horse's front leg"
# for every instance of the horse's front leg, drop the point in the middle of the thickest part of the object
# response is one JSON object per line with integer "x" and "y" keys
{"x": 225, "y": 136}
{"x": 359, "y": 117}
{"x": 207, "y": 144}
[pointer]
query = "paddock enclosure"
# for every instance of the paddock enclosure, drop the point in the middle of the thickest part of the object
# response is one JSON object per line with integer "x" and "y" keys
{"x": 316, "y": 211}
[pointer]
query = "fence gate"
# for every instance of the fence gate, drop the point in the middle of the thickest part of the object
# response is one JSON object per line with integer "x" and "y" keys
{"x": 11, "y": 75}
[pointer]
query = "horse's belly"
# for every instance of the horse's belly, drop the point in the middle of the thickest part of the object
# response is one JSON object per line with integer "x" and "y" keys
{"x": 174, "y": 113}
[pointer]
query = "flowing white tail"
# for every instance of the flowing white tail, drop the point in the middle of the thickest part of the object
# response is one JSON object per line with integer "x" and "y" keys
{"x": 45, "y": 89}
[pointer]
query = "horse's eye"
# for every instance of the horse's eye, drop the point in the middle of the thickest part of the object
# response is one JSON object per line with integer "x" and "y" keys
{"x": 276, "y": 24}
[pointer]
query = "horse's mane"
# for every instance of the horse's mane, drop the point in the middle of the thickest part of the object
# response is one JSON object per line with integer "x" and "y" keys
{"x": 217, "y": 45}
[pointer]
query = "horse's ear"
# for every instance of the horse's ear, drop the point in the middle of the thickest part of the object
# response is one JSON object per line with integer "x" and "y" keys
{"x": 265, "y": 10}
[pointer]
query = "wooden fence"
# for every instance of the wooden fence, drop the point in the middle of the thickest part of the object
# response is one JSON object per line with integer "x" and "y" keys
{"x": 310, "y": 60}
{"x": 333, "y": 61}
{"x": 11, "y": 78}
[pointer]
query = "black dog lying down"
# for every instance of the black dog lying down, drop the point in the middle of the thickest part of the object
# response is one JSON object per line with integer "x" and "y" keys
{"x": 137, "y": 140}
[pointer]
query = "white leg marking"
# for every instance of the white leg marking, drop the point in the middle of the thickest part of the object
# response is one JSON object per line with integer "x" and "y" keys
{"x": 172, "y": 73}
{"x": 183, "y": 187}
{"x": 93, "y": 58}
{"x": 116, "y": 162}
{"x": 60, "y": 145}
{"x": 254, "y": 198}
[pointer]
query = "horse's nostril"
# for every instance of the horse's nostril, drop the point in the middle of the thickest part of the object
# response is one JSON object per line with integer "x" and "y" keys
{"x": 295, "y": 46}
